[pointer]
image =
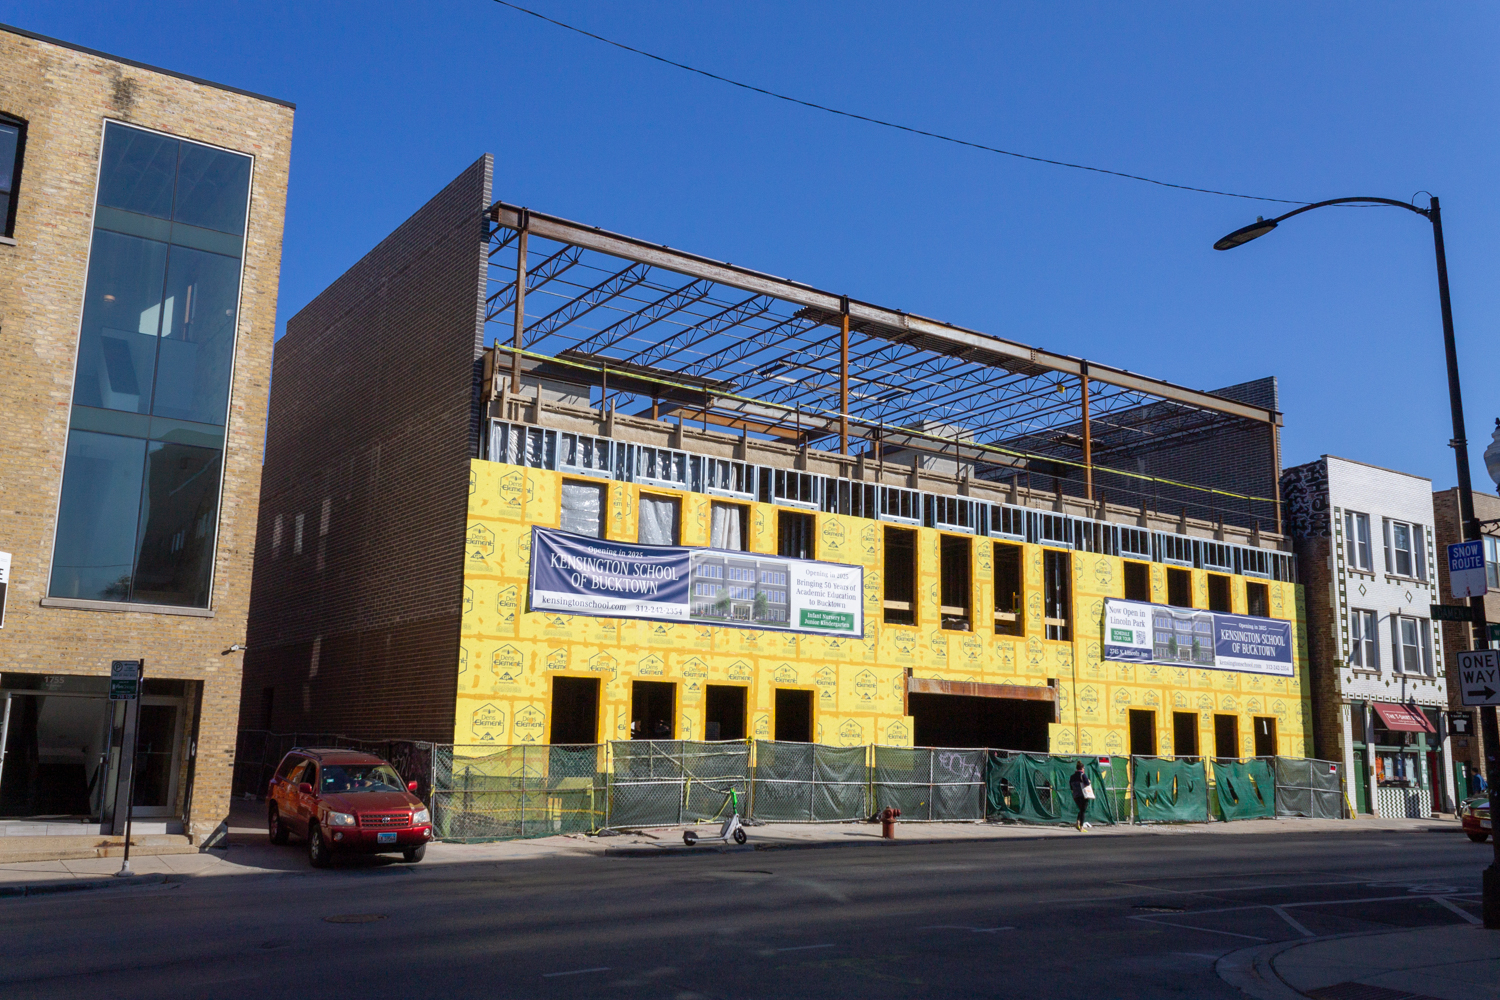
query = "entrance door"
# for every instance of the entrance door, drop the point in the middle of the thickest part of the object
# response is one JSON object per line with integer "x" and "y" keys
{"x": 969, "y": 721}
{"x": 652, "y": 708}
{"x": 1265, "y": 736}
{"x": 794, "y": 715}
{"x": 1227, "y": 737}
{"x": 55, "y": 754}
{"x": 1362, "y": 782}
{"x": 575, "y": 710}
{"x": 157, "y": 760}
{"x": 1185, "y": 734}
{"x": 1435, "y": 777}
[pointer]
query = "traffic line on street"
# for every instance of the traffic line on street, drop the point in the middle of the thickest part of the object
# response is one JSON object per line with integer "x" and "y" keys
{"x": 575, "y": 972}
{"x": 1441, "y": 901}
{"x": 1296, "y": 926}
{"x": 964, "y": 927}
{"x": 1190, "y": 927}
{"x": 806, "y": 947}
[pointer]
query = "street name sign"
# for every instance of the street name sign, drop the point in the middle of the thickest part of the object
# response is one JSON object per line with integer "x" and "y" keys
{"x": 1452, "y": 613}
{"x": 1479, "y": 676}
{"x": 124, "y": 680}
{"x": 1466, "y": 569}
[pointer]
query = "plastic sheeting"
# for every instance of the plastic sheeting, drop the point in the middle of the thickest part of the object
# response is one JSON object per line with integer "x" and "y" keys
{"x": 809, "y": 783}
{"x": 1245, "y": 789}
{"x": 658, "y": 521}
{"x": 1309, "y": 787}
{"x": 583, "y": 509}
{"x": 726, "y": 528}
{"x": 1034, "y": 788}
{"x": 1169, "y": 791}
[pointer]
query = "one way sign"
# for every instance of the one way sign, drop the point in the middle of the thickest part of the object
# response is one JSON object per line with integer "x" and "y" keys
{"x": 1479, "y": 675}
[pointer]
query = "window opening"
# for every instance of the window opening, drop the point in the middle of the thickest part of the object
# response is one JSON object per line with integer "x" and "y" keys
{"x": 583, "y": 508}
{"x": 1363, "y": 649}
{"x": 1403, "y": 549}
{"x": 1218, "y": 593}
{"x": 1258, "y": 600}
{"x": 794, "y": 715}
{"x": 900, "y": 578}
{"x": 1010, "y": 590}
{"x": 1056, "y": 594}
{"x": 1179, "y": 588}
{"x": 659, "y": 517}
{"x": 1137, "y": 582}
{"x": 1357, "y": 540}
{"x": 12, "y": 157}
{"x": 575, "y": 711}
{"x": 652, "y": 710}
{"x": 1265, "y": 736}
{"x": 729, "y": 526}
{"x": 794, "y": 534}
{"x": 953, "y": 557}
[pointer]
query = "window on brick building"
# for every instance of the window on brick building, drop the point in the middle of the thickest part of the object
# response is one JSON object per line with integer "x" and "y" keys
{"x": 1403, "y": 549}
{"x": 1492, "y": 561}
{"x": 1357, "y": 540}
{"x": 138, "y": 517}
{"x": 1364, "y": 653}
{"x": 1411, "y": 645}
{"x": 12, "y": 157}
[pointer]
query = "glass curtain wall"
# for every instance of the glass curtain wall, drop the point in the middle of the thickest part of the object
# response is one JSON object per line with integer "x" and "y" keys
{"x": 140, "y": 494}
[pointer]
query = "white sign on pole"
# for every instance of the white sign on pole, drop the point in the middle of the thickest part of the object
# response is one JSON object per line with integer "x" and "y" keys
{"x": 1479, "y": 676}
{"x": 1466, "y": 569}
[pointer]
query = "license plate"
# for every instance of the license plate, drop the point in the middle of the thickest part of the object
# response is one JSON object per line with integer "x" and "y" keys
{"x": 385, "y": 838}
{"x": 1484, "y": 824}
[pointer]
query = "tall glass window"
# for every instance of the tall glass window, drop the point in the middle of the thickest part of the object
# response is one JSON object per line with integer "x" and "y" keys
{"x": 12, "y": 154}
{"x": 140, "y": 494}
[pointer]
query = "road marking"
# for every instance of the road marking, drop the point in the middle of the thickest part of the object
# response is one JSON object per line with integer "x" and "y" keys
{"x": 1190, "y": 927}
{"x": 806, "y": 947}
{"x": 964, "y": 927}
{"x": 1457, "y": 909}
{"x": 1291, "y": 920}
{"x": 575, "y": 972}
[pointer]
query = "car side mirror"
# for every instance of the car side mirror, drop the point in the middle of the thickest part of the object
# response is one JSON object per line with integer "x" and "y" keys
{"x": 411, "y": 786}
{"x": 305, "y": 788}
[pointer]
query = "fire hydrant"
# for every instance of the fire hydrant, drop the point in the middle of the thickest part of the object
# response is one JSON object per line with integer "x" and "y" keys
{"x": 888, "y": 823}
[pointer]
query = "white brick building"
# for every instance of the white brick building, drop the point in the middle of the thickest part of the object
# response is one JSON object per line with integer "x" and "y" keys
{"x": 1367, "y": 556}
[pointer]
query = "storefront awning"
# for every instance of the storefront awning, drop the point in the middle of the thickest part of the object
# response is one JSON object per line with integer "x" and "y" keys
{"x": 1403, "y": 719}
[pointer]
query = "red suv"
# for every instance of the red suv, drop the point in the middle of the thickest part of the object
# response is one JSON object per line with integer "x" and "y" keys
{"x": 344, "y": 800}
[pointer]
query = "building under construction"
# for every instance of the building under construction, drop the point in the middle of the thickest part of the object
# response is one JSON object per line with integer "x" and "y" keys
{"x": 489, "y": 369}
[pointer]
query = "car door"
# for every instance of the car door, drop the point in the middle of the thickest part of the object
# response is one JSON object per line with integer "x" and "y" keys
{"x": 300, "y": 803}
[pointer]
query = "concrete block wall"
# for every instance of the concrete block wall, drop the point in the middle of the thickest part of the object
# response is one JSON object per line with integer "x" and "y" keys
{"x": 65, "y": 94}
{"x": 354, "y": 623}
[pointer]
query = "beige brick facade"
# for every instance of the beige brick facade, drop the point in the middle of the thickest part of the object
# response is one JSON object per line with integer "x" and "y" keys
{"x": 65, "y": 95}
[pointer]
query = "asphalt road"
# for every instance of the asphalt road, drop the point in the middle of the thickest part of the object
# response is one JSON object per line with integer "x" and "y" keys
{"x": 1087, "y": 917}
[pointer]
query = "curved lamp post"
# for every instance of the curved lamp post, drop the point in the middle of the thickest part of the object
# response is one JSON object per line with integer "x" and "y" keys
{"x": 1460, "y": 446}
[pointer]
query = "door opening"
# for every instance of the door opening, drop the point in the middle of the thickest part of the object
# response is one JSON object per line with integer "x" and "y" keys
{"x": 652, "y": 708}
{"x": 575, "y": 710}
{"x": 1142, "y": 732}
{"x": 794, "y": 715}
{"x": 1226, "y": 737}
{"x": 1265, "y": 736}
{"x": 1185, "y": 734}
{"x": 968, "y": 721}
{"x": 724, "y": 712}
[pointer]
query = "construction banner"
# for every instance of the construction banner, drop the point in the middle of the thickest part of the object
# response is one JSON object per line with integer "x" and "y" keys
{"x": 580, "y": 575}
{"x": 1135, "y": 632}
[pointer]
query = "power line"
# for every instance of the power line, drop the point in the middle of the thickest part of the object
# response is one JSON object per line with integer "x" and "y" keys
{"x": 886, "y": 124}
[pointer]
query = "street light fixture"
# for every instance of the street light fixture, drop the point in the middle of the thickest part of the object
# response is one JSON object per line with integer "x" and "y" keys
{"x": 1460, "y": 446}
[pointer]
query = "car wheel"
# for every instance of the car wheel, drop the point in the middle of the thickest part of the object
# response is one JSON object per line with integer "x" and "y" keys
{"x": 739, "y": 836}
{"x": 1479, "y": 838}
{"x": 318, "y": 854}
{"x": 414, "y": 854}
{"x": 274, "y": 827}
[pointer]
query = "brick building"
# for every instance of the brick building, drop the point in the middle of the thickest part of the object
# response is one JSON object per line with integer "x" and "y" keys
{"x": 1367, "y": 555}
{"x": 139, "y": 263}
{"x": 1468, "y": 755}
{"x": 660, "y": 398}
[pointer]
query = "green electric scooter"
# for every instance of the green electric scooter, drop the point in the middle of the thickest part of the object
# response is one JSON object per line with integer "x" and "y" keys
{"x": 730, "y": 829}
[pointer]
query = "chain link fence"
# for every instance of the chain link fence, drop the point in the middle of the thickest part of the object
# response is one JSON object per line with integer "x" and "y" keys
{"x": 810, "y": 783}
{"x": 484, "y": 792}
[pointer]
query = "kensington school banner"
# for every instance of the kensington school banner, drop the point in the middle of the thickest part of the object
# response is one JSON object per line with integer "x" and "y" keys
{"x": 579, "y": 575}
{"x": 1136, "y": 632}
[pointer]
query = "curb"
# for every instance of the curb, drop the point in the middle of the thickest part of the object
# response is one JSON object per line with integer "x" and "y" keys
{"x": 82, "y": 885}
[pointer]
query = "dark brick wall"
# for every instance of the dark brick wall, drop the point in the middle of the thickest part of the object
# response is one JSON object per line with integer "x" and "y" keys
{"x": 373, "y": 420}
{"x": 1457, "y": 636}
{"x": 1323, "y": 651}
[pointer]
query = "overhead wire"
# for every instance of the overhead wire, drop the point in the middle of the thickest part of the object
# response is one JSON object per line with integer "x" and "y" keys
{"x": 889, "y": 124}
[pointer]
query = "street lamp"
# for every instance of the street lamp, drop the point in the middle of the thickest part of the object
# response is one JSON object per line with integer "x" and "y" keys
{"x": 1460, "y": 446}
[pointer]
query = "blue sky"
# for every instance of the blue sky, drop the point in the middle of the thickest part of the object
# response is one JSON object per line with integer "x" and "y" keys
{"x": 1286, "y": 100}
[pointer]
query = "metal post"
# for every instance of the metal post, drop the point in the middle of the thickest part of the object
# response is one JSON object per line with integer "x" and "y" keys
{"x": 520, "y": 308}
{"x": 1088, "y": 437}
{"x": 4, "y": 733}
{"x": 1276, "y": 472}
{"x": 844, "y": 377}
{"x": 132, "y": 729}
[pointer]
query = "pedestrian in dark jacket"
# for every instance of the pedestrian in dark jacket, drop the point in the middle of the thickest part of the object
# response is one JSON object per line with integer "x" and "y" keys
{"x": 1078, "y": 783}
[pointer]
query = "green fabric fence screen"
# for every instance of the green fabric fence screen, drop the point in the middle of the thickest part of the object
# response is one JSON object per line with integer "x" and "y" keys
{"x": 1170, "y": 791}
{"x": 1245, "y": 789}
{"x": 1033, "y": 788}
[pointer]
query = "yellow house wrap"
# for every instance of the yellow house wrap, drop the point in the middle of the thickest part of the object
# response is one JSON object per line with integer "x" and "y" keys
{"x": 509, "y": 656}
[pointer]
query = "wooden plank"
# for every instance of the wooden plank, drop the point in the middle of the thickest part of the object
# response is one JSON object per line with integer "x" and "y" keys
{"x": 971, "y": 689}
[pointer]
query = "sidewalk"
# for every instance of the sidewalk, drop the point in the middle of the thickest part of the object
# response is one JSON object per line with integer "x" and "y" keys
{"x": 249, "y": 852}
{"x": 1456, "y": 962}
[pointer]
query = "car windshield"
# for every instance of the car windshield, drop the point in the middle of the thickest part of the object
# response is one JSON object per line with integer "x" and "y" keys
{"x": 339, "y": 778}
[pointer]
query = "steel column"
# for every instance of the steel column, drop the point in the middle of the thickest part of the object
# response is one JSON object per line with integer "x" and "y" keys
{"x": 524, "y": 226}
{"x": 1088, "y": 437}
{"x": 844, "y": 376}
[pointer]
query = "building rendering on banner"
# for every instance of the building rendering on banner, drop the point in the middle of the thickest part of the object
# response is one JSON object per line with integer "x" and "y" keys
{"x": 1467, "y": 735}
{"x": 529, "y": 481}
{"x": 1368, "y": 555}
{"x": 139, "y": 257}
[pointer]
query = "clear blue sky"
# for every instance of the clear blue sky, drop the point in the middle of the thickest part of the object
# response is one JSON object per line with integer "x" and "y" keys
{"x": 1291, "y": 100}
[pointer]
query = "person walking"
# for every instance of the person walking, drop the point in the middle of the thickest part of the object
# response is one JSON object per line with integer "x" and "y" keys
{"x": 1083, "y": 793}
